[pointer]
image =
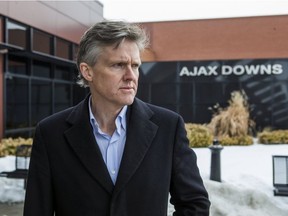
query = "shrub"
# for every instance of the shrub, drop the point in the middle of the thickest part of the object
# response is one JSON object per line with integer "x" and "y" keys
{"x": 8, "y": 145}
{"x": 198, "y": 135}
{"x": 273, "y": 137}
{"x": 236, "y": 140}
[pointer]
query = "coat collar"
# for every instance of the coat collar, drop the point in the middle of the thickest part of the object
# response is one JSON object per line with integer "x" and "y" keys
{"x": 81, "y": 138}
{"x": 140, "y": 133}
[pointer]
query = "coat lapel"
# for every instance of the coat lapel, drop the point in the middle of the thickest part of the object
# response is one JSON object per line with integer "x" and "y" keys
{"x": 81, "y": 138}
{"x": 140, "y": 134}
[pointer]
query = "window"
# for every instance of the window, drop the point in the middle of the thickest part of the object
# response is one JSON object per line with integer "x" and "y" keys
{"x": 17, "y": 34}
{"x": 17, "y": 65}
{"x": 62, "y": 49}
{"x": 17, "y": 115}
{"x": 37, "y": 85}
{"x": 62, "y": 96}
{"x": 42, "y": 42}
{"x": 1, "y": 29}
{"x": 41, "y": 100}
{"x": 75, "y": 52}
{"x": 164, "y": 93}
{"x": 63, "y": 73}
{"x": 41, "y": 69}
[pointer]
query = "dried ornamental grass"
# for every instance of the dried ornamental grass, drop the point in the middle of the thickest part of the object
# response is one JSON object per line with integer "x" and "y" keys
{"x": 234, "y": 121}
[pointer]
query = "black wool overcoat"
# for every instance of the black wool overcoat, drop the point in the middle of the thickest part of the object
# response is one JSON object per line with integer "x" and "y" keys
{"x": 68, "y": 177}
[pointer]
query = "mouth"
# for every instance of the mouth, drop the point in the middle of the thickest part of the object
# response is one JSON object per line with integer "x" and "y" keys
{"x": 127, "y": 89}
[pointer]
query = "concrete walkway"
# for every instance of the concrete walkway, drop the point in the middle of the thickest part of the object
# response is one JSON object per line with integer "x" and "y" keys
{"x": 15, "y": 209}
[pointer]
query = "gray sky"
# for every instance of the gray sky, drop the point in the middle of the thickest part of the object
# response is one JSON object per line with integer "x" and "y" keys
{"x": 164, "y": 10}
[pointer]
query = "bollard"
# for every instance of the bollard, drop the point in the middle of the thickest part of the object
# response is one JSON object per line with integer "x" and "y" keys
{"x": 215, "y": 172}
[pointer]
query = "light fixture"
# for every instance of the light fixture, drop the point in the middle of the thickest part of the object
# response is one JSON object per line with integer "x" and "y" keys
{"x": 280, "y": 175}
{"x": 3, "y": 51}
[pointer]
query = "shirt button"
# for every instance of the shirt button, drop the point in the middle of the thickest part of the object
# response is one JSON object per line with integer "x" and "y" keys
{"x": 113, "y": 172}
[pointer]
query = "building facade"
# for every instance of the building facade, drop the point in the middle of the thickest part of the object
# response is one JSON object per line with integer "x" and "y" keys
{"x": 38, "y": 44}
{"x": 193, "y": 65}
{"x": 190, "y": 65}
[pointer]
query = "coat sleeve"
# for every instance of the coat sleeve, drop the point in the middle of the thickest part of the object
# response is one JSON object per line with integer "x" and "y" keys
{"x": 38, "y": 198}
{"x": 188, "y": 194}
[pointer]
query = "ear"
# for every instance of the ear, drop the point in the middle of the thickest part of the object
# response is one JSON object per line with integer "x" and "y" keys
{"x": 86, "y": 71}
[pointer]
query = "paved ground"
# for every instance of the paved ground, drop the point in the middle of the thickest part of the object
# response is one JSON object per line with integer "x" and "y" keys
{"x": 11, "y": 209}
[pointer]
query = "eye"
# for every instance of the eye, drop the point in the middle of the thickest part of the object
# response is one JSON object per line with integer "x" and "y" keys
{"x": 135, "y": 66}
{"x": 119, "y": 65}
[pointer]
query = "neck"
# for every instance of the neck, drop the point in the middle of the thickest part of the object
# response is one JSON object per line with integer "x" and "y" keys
{"x": 105, "y": 117}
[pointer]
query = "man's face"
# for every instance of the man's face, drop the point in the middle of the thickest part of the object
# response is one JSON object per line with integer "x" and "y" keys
{"x": 115, "y": 76}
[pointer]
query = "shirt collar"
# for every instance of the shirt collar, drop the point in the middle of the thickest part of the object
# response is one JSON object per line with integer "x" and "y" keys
{"x": 120, "y": 120}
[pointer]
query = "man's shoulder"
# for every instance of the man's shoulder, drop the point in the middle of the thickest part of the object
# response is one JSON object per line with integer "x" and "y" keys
{"x": 156, "y": 109}
{"x": 64, "y": 115}
{"x": 56, "y": 117}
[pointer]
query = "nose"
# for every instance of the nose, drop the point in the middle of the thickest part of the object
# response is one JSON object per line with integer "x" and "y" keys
{"x": 131, "y": 73}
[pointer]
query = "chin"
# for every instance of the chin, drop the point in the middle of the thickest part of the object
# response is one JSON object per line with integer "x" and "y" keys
{"x": 128, "y": 101}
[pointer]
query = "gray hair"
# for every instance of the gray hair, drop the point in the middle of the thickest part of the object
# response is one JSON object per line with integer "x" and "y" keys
{"x": 103, "y": 34}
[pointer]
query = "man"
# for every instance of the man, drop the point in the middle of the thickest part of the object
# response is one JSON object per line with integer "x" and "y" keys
{"x": 113, "y": 154}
